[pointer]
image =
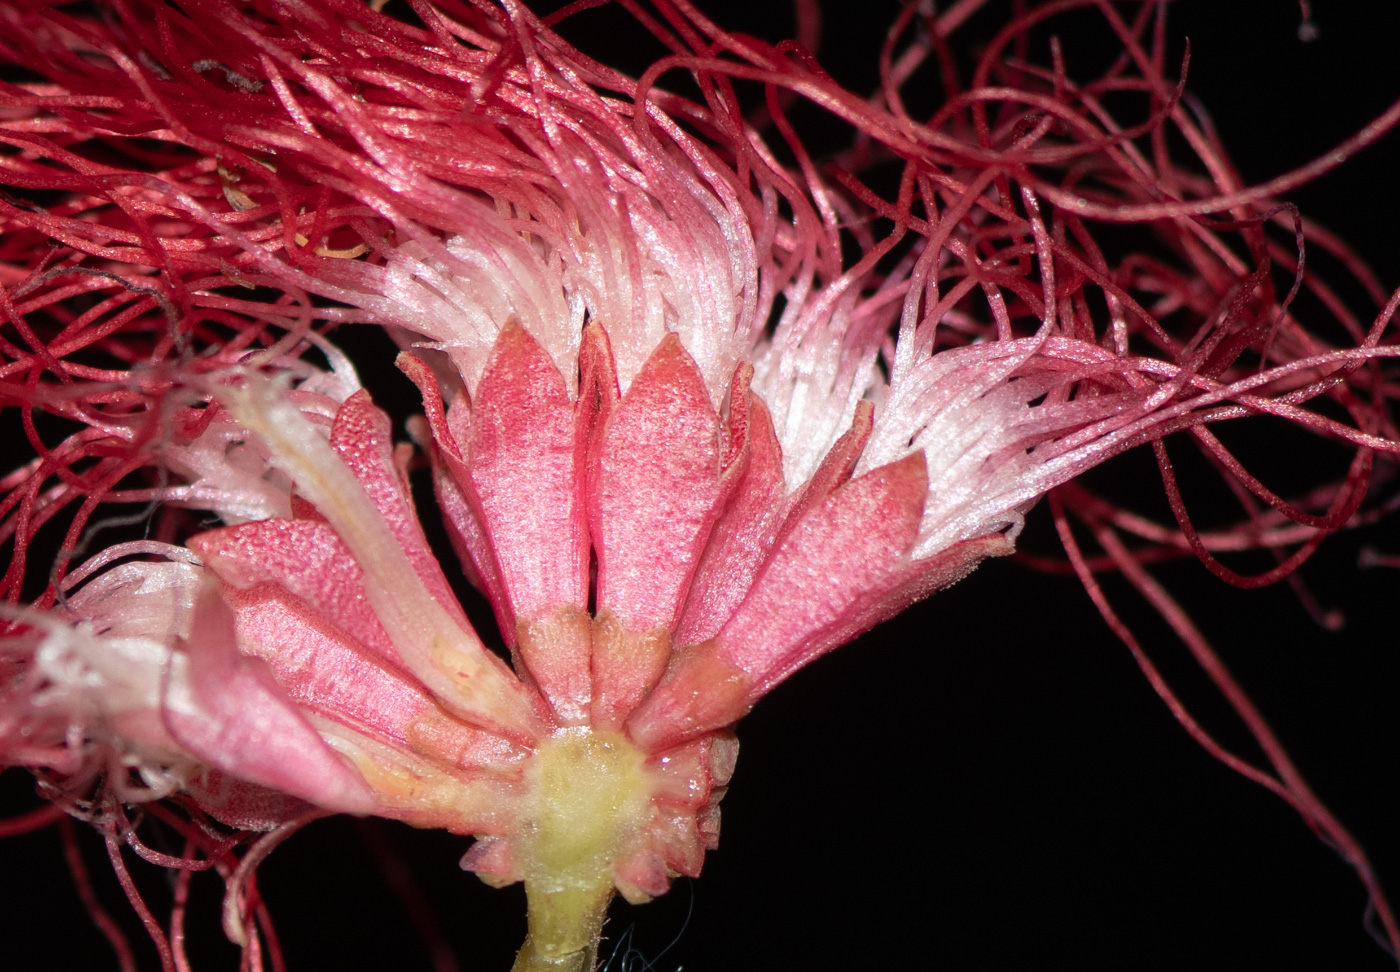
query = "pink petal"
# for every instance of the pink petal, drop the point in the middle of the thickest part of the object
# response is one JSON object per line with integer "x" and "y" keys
{"x": 654, "y": 494}
{"x": 836, "y": 466}
{"x": 402, "y": 581}
{"x": 744, "y": 533}
{"x": 308, "y": 559}
{"x": 452, "y": 485}
{"x": 821, "y": 576}
{"x": 552, "y": 651}
{"x": 363, "y": 437}
{"x": 654, "y": 489}
{"x": 237, "y": 720}
{"x": 468, "y": 536}
{"x": 526, "y": 467}
{"x": 836, "y": 555}
{"x": 526, "y": 464}
{"x": 243, "y": 805}
{"x": 320, "y": 668}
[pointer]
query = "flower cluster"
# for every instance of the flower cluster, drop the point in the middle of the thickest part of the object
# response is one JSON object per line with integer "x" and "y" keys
{"x": 684, "y": 441}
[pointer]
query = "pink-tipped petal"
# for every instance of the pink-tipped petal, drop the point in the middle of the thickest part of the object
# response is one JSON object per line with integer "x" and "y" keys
{"x": 598, "y": 392}
{"x": 744, "y": 533}
{"x": 234, "y": 717}
{"x": 526, "y": 463}
{"x": 655, "y": 490}
{"x": 452, "y": 486}
{"x": 838, "y": 555}
{"x": 525, "y": 467}
{"x": 321, "y": 669}
{"x": 363, "y": 438}
{"x": 307, "y": 558}
{"x": 840, "y": 552}
{"x": 836, "y": 466}
{"x": 437, "y": 644}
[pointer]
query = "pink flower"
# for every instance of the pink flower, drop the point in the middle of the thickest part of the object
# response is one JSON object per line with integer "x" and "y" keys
{"x": 682, "y": 445}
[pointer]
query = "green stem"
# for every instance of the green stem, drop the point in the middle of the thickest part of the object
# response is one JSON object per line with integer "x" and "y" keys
{"x": 564, "y": 929}
{"x": 589, "y": 800}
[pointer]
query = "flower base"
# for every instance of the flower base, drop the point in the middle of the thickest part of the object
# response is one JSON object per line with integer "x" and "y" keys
{"x": 589, "y": 801}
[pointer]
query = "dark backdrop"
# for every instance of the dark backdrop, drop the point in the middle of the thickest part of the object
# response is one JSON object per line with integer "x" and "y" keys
{"x": 986, "y": 782}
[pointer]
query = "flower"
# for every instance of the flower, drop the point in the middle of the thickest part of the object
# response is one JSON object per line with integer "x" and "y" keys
{"x": 670, "y": 505}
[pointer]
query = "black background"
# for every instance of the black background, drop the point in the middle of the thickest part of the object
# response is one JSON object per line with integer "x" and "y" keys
{"x": 986, "y": 782}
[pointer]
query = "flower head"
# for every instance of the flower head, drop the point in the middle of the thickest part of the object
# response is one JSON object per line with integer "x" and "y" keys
{"x": 682, "y": 441}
